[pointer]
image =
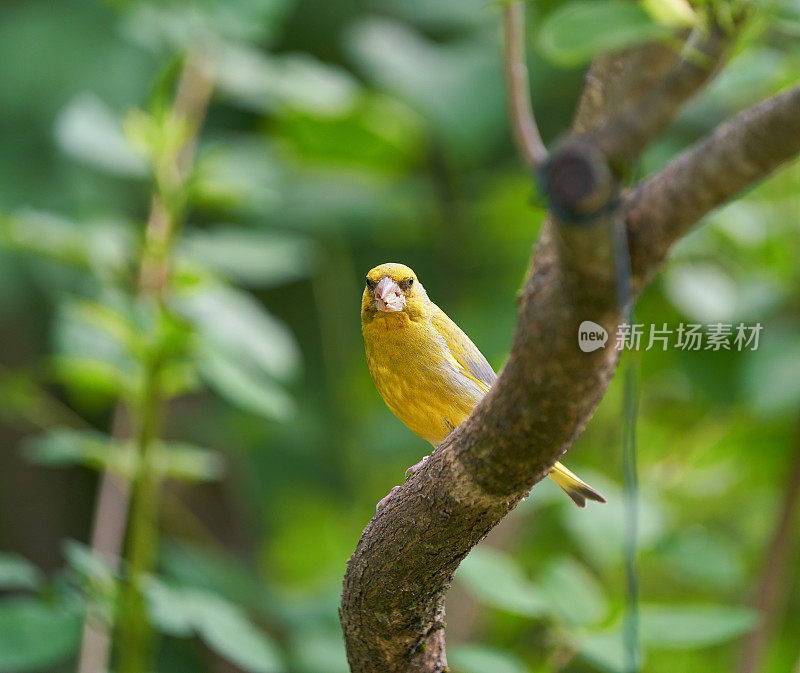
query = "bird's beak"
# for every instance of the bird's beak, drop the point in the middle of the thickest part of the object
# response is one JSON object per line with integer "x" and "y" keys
{"x": 388, "y": 296}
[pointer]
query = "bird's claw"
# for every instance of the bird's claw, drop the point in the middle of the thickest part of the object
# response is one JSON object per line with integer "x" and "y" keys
{"x": 382, "y": 503}
{"x": 414, "y": 468}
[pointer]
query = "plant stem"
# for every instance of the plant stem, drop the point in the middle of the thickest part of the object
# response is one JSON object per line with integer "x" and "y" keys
{"x": 776, "y": 572}
{"x": 115, "y": 498}
{"x": 134, "y": 631}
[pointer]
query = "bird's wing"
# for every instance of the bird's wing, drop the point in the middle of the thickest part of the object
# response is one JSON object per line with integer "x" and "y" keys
{"x": 466, "y": 353}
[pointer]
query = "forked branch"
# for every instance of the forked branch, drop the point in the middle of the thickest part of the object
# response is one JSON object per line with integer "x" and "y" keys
{"x": 392, "y": 609}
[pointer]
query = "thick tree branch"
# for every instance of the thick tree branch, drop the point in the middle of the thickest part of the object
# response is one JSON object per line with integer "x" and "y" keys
{"x": 392, "y": 609}
{"x": 614, "y": 81}
{"x": 526, "y": 133}
{"x": 737, "y": 154}
{"x": 630, "y": 96}
{"x": 644, "y": 113}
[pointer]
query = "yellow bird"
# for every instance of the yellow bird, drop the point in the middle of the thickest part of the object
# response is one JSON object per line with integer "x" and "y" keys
{"x": 425, "y": 368}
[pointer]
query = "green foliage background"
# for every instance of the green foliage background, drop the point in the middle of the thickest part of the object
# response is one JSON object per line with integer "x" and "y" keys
{"x": 342, "y": 134}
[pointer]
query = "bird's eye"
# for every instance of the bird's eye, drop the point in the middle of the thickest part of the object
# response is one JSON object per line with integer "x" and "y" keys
{"x": 371, "y": 284}
{"x": 407, "y": 283}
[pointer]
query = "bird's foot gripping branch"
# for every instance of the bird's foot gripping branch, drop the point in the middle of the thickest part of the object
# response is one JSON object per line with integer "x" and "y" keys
{"x": 392, "y": 610}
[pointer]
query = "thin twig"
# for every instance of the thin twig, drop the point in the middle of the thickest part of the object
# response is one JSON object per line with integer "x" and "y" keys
{"x": 526, "y": 133}
{"x": 774, "y": 574}
{"x": 114, "y": 494}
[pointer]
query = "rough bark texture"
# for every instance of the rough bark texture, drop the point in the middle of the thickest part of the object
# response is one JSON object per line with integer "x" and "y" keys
{"x": 734, "y": 156}
{"x": 392, "y": 609}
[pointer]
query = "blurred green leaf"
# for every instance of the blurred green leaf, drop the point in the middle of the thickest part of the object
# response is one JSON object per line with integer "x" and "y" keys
{"x": 243, "y": 387}
{"x": 606, "y": 650}
{"x": 443, "y": 14}
{"x": 704, "y": 557}
{"x": 77, "y": 336}
{"x": 227, "y": 631}
{"x": 772, "y": 373}
{"x": 318, "y": 651}
{"x": 574, "y": 33}
{"x": 173, "y": 460}
{"x": 213, "y": 570}
{"x": 44, "y": 234}
{"x": 103, "y": 246}
{"x": 95, "y": 578}
{"x": 351, "y": 200}
{"x": 34, "y": 636}
{"x": 786, "y": 16}
{"x": 63, "y": 446}
{"x": 298, "y": 82}
{"x": 673, "y": 13}
{"x": 162, "y": 91}
{"x": 478, "y": 659}
{"x": 179, "y": 26}
{"x": 224, "y": 627}
{"x": 108, "y": 320}
{"x": 600, "y": 531}
{"x": 440, "y": 81}
{"x": 239, "y": 326}
{"x": 495, "y": 580}
{"x": 83, "y": 373}
{"x": 573, "y": 593}
{"x": 241, "y": 174}
{"x": 309, "y": 539}
{"x": 255, "y": 258}
{"x": 185, "y": 462}
{"x": 179, "y": 377}
{"x": 89, "y": 131}
{"x": 379, "y": 133}
{"x": 93, "y": 348}
{"x": 751, "y": 76}
{"x": 89, "y": 565}
{"x": 18, "y": 573}
{"x": 20, "y": 396}
{"x": 166, "y": 609}
{"x": 686, "y": 627}
{"x": 703, "y": 292}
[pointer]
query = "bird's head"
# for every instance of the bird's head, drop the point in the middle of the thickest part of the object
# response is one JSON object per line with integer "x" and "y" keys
{"x": 393, "y": 289}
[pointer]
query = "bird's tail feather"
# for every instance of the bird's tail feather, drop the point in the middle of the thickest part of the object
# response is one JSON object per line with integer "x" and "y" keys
{"x": 573, "y": 486}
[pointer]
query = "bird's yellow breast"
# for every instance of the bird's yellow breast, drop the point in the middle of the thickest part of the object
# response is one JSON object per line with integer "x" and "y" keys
{"x": 417, "y": 376}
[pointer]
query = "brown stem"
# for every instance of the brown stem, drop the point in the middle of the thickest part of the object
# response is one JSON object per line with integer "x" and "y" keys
{"x": 775, "y": 572}
{"x": 526, "y": 133}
